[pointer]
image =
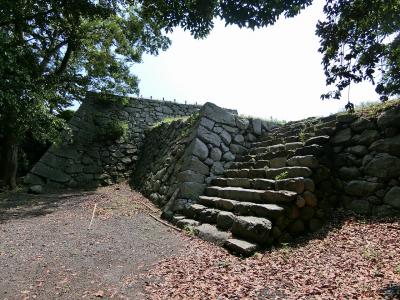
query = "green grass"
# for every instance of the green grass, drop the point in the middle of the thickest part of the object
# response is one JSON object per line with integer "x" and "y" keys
{"x": 169, "y": 120}
{"x": 282, "y": 175}
{"x": 371, "y": 109}
{"x": 189, "y": 230}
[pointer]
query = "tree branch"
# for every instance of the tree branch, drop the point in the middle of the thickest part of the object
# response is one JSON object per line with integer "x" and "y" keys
{"x": 26, "y": 18}
{"x": 46, "y": 59}
{"x": 66, "y": 58}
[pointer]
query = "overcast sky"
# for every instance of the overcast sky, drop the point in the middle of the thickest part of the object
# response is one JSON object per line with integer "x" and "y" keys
{"x": 275, "y": 71}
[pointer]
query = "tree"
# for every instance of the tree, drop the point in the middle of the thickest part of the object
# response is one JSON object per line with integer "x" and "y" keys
{"x": 360, "y": 39}
{"x": 53, "y": 51}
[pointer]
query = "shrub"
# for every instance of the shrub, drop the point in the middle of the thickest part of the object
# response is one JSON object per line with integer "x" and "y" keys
{"x": 112, "y": 131}
{"x": 107, "y": 99}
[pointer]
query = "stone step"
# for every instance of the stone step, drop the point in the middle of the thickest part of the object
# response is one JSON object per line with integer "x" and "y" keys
{"x": 270, "y": 211}
{"x": 287, "y": 172}
{"x": 236, "y": 193}
{"x": 313, "y": 149}
{"x": 187, "y": 223}
{"x": 302, "y": 159}
{"x": 265, "y": 155}
{"x": 254, "y": 229}
{"x": 245, "y": 173}
{"x": 276, "y": 148}
{"x": 325, "y": 131}
{"x": 258, "y": 183}
{"x": 277, "y": 173}
{"x": 251, "y": 195}
{"x": 250, "y": 164}
{"x": 212, "y": 234}
{"x": 241, "y": 247}
{"x": 243, "y": 165}
{"x": 290, "y": 184}
{"x": 318, "y": 140}
{"x": 325, "y": 124}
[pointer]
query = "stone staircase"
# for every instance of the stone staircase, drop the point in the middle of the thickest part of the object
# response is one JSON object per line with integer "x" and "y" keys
{"x": 267, "y": 194}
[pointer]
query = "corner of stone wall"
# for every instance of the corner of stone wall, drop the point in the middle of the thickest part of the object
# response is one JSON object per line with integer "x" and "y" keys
{"x": 218, "y": 137}
{"x": 178, "y": 160}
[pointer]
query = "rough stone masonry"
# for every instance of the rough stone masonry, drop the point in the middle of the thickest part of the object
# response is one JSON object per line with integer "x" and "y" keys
{"x": 206, "y": 165}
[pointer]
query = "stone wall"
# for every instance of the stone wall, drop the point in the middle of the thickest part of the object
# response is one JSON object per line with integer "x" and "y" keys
{"x": 358, "y": 158}
{"x": 178, "y": 160}
{"x": 366, "y": 162}
{"x": 95, "y": 153}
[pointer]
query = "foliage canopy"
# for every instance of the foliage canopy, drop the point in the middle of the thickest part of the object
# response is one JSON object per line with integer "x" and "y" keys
{"x": 53, "y": 51}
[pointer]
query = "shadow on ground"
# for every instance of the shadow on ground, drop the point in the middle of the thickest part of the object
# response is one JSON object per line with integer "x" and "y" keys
{"x": 20, "y": 205}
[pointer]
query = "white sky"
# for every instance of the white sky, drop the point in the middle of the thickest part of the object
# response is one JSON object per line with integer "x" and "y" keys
{"x": 275, "y": 71}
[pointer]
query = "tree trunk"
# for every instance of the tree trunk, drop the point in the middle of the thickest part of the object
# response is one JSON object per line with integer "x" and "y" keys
{"x": 9, "y": 161}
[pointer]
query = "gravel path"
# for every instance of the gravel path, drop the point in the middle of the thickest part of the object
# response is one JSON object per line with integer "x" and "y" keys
{"x": 48, "y": 252}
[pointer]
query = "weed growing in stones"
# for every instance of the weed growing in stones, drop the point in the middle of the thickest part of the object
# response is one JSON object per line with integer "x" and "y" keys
{"x": 282, "y": 175}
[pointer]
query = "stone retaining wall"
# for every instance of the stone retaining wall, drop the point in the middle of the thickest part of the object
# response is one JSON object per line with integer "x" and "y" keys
{"x": 366, "y": 162}
{"x": 92, "y": 155}
{"x": 179, "y": 159}
{"x": 173, "y": 162}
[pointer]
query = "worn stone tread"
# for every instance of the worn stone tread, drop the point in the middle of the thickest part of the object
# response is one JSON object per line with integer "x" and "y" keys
{"x": 236, "y": 193}
{"x": 288, "y": 172}
{"x": 241, "y": 247}
{"x": 187, "y": 223}
{"x": 212, "y": 234}
{"x": 243, "y": 208}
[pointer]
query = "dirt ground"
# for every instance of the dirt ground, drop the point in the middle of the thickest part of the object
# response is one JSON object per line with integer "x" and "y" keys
{"x": 47, "y": 251}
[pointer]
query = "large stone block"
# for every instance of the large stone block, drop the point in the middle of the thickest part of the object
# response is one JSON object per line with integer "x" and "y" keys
{"x": 342, "y": 136}
{"x": 366, "y": 137}
{"x": 190, "y": 176}
{"x": 360, "y": 206}
{"x": 207, "y": 123}
{"x": 361, "y": 188}
{"x": 199, "y": 149}
{"x": 242, "y": 123}
{"x": 218, "y": 114}
{"x": 362, "y": 124}
{"x": 226, "y": 137}
{"x": 389, "y": 118}
{"x": 389, "y": 145}
{"x": 191, "y": 190}
{"x": 208, "y": 136}
{"x": 290, "y": 184}
{"x": 215, "y": 154}
{"x": 194, "y": 164}
{"x": 348, "y": 173}
{"x": 212, "y": 234}
{"x": 225, "y": 220}
{"x": 383, "y": 166}
{"x": 237, "y": 149}
{"x": 256, "y": 126}
{"x": 49, "y": 173}
{"x": 393, "y": 197}
{"x": 252, "y": 228}
{"x": 33, "y": 179}
{"x": 303, "y": 161}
